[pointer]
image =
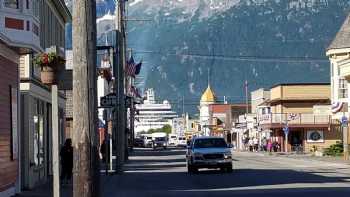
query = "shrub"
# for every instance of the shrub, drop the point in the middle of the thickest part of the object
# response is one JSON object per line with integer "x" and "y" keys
{"x": 334, "y": 150}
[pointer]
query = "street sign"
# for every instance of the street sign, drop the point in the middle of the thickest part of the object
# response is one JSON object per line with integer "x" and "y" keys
{"x": 108, "y": 101}
{"x": 286, "y": 130}
{"x": 344, "y": 121}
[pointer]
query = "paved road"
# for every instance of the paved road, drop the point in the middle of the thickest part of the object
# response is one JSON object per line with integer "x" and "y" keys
{"x": 163, "y": 173}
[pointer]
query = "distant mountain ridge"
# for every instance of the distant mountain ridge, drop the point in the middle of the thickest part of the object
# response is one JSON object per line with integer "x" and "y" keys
{"x": 262, "y": 41}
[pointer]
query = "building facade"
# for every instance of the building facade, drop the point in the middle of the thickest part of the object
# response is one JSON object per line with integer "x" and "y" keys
{"x": 18, "y": 36}
{"x": 292, "y": 106}
{"x": 339, "y": 57}
{"x": 36, "y": 109}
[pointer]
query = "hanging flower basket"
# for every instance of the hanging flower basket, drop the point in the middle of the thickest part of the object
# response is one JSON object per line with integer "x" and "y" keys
{"x": 49, "y": 63}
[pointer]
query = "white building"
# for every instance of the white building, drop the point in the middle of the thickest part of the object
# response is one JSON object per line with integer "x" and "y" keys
{"x": 339, "y": 56}
{"x": 207, "y": 98}
{"x": 153, "y": 115}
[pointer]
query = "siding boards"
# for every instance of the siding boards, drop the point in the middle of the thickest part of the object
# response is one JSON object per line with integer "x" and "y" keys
{"x": 8, "y": 168}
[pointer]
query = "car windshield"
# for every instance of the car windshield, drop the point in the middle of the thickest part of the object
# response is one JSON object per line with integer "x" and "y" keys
{"x": 210, "y": 143}
{"x": 149, "y": 138}
{"x": 159, "y": 139}
{"x": 173, "y": 137}
{"x": 182, "y": 138}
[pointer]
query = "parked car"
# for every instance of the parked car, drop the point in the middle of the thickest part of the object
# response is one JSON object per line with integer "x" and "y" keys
{"x": 159, "y": 140}
{"x": 208, "y": 152}
{"x": 182, "y": 141}
{"x": 138, "y": 142}
{"x": 173, "y": 140}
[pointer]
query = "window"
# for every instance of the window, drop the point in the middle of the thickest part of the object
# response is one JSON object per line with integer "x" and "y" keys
{"x": 36, "y": 8}
{"x": 343, "y": 88}
{"x": 38, "y": 119}
{"x": 11, "y": 4}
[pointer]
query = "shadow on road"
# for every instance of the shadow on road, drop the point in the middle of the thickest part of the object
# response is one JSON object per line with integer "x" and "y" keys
{"x": 155, "y": 177}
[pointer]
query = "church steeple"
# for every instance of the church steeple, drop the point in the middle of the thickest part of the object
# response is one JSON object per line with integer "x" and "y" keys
{"x": 208, "y": 96}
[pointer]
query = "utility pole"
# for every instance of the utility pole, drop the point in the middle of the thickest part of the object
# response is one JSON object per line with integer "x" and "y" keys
{"x": 85, "y": 143}
{"x": 120, "y": 134}
{"x": 246, "y": 96}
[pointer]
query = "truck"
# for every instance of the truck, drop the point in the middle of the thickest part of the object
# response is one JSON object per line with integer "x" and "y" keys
{"x": 172, "y": 140}
{"x": 159, "y": 140}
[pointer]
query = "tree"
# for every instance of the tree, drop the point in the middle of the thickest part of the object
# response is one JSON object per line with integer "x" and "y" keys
{"x": 166, "y": 129}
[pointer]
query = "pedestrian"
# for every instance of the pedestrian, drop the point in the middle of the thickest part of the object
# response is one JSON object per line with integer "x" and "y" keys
{"x": 250, "y": 144}
{"x": 276, "y": 146}
{"x": 67, "y": 161}
{"x": 256, "y": 144}
{"x": 269, "y": 146}
{"x": 264, "y": 144}
{"x": 104, "y": 150}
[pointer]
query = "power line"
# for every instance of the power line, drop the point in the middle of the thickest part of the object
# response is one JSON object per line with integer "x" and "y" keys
{"x": 279, "y": 59}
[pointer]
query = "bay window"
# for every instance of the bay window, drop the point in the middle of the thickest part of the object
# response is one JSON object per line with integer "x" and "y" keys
{"x": 14, "y": 4}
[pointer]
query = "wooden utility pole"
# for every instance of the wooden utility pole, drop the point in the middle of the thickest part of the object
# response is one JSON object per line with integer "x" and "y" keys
{"x": 121, "y": 112}
{"x": 85, "y": 143}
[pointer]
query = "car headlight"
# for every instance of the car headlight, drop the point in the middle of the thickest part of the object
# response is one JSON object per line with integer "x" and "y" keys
{"x": 164, "y": 144}
{"x": 228, "y": 155}
{"x": 155, "y": 144}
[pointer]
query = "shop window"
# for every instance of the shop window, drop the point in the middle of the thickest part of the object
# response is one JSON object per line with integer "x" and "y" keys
{"x": 14, "y": 4}
{"x": 38, "y": 119}
{"x": 343, "y": 88}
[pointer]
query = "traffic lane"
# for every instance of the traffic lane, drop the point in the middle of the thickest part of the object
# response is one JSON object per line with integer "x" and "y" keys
{"x": 243, "y": 182}
{"x": 159, "y": 174}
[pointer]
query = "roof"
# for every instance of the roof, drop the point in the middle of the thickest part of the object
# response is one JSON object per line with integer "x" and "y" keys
{"x": 342, "y": 39}
{"x": 298, "y": 84}
{"x": 208, "y": 95}
{"x": 63, "y": 10}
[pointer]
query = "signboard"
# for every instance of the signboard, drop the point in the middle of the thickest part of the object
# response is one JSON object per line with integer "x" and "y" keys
{"x": 344, "y": 121}
{"x": 315, "y": 136}
{"x": 286, "y": 130}
{"x": 108, "y": 101}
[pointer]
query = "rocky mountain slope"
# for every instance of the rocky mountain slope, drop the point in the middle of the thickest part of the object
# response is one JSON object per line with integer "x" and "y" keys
{"x": 262, "y": 41}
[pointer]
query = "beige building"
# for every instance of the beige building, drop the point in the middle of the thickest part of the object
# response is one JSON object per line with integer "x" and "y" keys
{"x": 293, "y": 106}
{"x": 50, "y": 18}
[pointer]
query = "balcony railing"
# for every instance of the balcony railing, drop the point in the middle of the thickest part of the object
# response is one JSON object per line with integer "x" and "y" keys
{"x": 294, "y": 118}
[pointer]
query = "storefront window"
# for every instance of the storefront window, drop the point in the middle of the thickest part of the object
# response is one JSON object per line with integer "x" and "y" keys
{"x": 11, "y": 4}
{"x": 38, "y": 119}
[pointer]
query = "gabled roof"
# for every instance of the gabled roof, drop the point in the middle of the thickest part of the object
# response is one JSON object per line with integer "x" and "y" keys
{"x": 342, "y": 39}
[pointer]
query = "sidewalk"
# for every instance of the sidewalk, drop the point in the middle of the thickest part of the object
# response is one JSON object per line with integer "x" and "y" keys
{"x": 300, "y": 156}
{"x": 45, "y": 190}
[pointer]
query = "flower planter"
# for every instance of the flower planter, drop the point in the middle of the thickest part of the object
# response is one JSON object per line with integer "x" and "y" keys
{"x": 50, "y": 63}
{"x": 47, "y": 75}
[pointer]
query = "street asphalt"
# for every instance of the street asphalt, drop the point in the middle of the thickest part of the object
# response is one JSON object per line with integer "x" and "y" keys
{"x": 163, "y": 173}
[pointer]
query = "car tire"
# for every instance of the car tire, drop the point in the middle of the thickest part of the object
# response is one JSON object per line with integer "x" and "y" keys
{"x": 229, "y": 169}
{"x": 191, "y": 169}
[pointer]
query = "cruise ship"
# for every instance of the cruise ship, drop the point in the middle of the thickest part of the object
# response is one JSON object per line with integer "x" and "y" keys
{"x": 153, "y": 115}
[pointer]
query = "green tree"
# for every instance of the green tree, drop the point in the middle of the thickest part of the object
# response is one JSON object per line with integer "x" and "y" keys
{"x": 166, "y": 129}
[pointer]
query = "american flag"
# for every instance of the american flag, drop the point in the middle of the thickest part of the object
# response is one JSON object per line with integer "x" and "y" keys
{"x": 132, "y": 68}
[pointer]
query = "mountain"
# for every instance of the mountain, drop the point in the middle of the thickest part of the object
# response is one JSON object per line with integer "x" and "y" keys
{"x": 262, "y": 41}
